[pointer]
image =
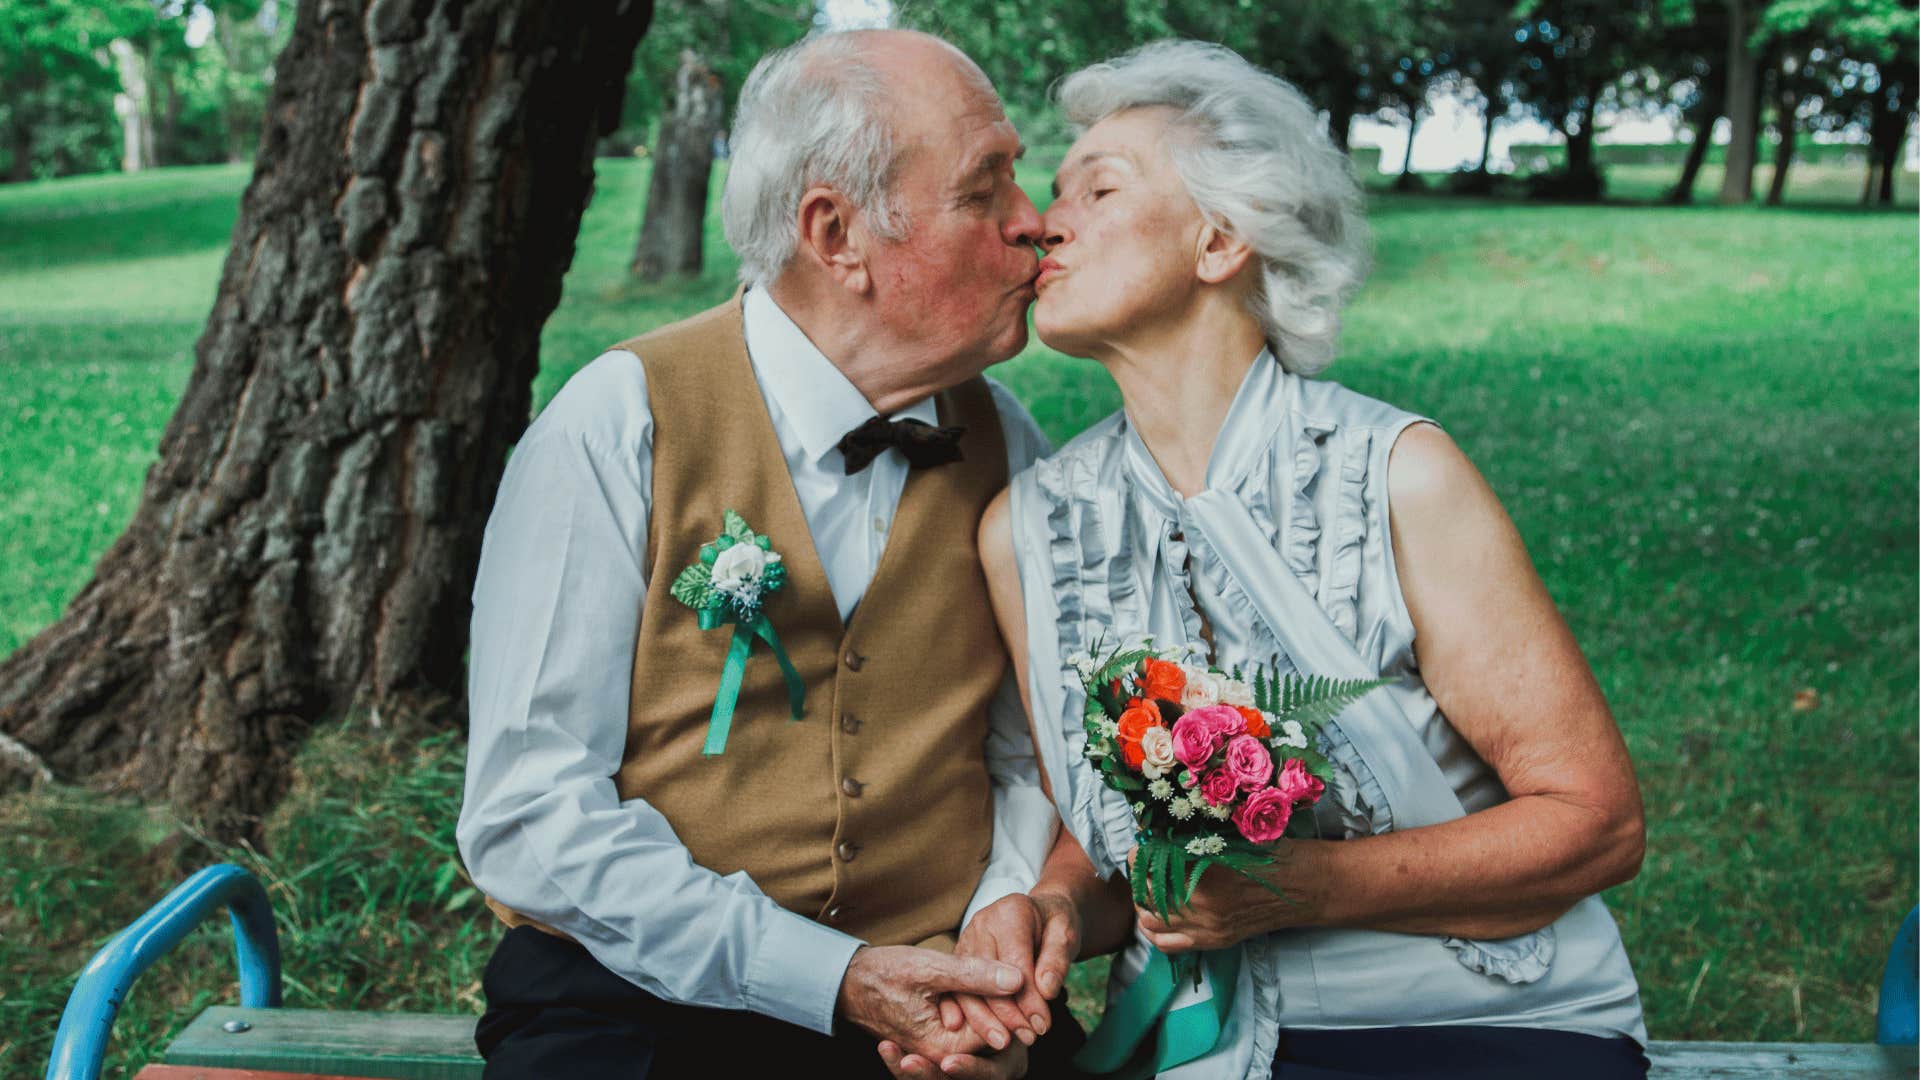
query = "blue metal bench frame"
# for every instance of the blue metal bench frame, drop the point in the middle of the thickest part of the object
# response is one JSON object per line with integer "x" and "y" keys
{"x": 80, "y": 1045}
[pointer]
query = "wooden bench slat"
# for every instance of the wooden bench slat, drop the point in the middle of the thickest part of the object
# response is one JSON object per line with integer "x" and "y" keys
{"x": 1800, "y": 1061}
{"x": 390, "y": 1046}
{"x": 207, "y": 1072}
{"x": 319, "y": 1044}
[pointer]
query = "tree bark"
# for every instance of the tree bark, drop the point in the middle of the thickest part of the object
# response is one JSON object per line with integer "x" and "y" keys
{"x": 1486, "y": 138}
{"x": 1786, "y": 106}
{"x": 1706, "y": 113}
{"x": 305, "y": 543}
{"x": 674, "y": 224}
{"x": 1743, "y": 106}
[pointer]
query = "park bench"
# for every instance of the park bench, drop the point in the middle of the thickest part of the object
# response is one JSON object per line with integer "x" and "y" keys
{"x": 259, "y": 1040}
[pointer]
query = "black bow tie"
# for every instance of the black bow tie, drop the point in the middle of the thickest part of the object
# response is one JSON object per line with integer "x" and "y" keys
{"x": 923, "y": 445}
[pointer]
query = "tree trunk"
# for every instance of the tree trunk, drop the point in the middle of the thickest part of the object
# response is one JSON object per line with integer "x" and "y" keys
{"x": 1705, "y": 113}
{"x": 1407, "y": 182}
{"x": 675, "y": 221}
{"x": 1786, "y": 105}
{"x": 132, "y": 105}
{"x": 1486, "y": 138}
{"x": 1580, "y": 147}
{"x": 1889, "y": 135}
{"x": 1743, "y": 106}
{"x": 305, "y": 543}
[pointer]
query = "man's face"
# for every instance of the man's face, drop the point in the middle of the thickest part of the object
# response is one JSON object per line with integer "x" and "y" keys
{"x": 955, "y": 290}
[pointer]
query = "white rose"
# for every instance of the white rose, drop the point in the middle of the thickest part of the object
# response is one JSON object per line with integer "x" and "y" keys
{"x": 1203, "y": 689}
{"x": 1157, "y": 746}
{"x": 738, "y": 568}
{"x": 1292, "y": 735}
{"x": 1236, "y": 692}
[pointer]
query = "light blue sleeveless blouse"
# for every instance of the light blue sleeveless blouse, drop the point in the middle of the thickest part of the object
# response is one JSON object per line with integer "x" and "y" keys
{"x": 1108, "y": 551}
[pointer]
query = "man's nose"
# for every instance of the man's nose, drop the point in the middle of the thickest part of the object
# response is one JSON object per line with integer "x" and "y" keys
{"x": 1023, "y": 225}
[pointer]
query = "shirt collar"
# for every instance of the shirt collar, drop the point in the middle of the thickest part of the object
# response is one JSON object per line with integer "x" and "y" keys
{"x": 817, "y": 400}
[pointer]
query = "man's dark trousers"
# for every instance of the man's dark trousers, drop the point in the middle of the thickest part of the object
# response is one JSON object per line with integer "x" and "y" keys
{"x": 555, "y": 1011}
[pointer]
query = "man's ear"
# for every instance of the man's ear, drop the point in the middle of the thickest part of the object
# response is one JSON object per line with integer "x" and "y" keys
{"x": 1221, "y": 255}
{"x": 827, "y": 239}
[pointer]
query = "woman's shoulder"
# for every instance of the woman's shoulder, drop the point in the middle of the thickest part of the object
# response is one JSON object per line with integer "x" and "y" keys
{"x": 1332, "y": 404}
{"x": 1089, "y": 448}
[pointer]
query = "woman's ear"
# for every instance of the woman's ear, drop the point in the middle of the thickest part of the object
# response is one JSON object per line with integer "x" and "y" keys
{"x": 827, "y": 239}
{"x": 1221, "y": 255}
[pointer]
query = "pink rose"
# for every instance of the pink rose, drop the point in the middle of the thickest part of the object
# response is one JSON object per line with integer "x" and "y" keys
{"x": 1195, "y": 741}
{"x": 1249, "y": 762}
{"x": 1222, "y": 719}
{"x": 1263, "y": 817}
{"x": 1296, "y": 783}
{"x": 1219, "y": 787}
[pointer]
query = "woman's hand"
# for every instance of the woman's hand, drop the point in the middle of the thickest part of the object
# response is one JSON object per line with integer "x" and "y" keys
{"x": 1228, "y": 908}
{"x": 1038, "y": 934}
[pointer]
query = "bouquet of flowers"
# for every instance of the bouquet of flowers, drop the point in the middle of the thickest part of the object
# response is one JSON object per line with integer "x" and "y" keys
{"x": 1216, "y": 766}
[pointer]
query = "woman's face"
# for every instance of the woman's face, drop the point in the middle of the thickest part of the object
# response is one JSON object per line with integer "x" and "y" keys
{"x": 1121, "y": 238}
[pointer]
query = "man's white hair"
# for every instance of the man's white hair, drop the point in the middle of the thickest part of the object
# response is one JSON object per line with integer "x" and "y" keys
{"x": 811, "y": 113}
{"x": 1258, "y": 163}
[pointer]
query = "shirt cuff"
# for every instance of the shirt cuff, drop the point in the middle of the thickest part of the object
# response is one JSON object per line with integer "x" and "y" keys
{"x": 796, "y": 971}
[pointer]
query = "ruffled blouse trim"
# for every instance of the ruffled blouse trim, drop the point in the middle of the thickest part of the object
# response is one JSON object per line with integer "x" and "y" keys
{"x": 1097, "y": 815}
{"x": 1517, "y": 960}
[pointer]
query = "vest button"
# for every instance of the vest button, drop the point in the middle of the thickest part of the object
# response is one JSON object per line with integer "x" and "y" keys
{"x": 851, "y": 787}
{"x": 846, "y": 849}
{"x": 849, "y": 723}
{"x": 854, "y": 660}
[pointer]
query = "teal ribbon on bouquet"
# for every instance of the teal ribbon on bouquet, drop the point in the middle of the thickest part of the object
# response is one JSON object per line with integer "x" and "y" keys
{"x": 736, "y": 573}
{"x": 1145, "y": 1009}
{"x": 720, "y": 723}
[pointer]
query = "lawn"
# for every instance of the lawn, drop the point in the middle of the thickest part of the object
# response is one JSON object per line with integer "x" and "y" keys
{"x": 1702, "y": 420}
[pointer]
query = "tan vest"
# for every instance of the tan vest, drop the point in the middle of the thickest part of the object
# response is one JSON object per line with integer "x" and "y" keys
{"x": 873, "y": 814}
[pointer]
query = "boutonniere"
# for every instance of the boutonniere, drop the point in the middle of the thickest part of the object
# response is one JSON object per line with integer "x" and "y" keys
{"x": 738, "y": 571}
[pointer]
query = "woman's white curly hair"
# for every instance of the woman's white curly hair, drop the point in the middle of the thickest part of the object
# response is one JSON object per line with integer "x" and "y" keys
{"x": 1257, "y": 161}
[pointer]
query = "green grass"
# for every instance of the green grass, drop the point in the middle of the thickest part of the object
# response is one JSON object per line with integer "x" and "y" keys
{"x": 1701, "y": 419}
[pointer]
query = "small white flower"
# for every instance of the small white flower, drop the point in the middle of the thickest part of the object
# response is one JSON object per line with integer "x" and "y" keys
{"x": 1110, "y": 728}
{"x": 1206, "y": 845}
{"x": 1221, "y": 812}
{"x": 1291, "y": 734}
{"x": 1139, "y": 809}
{"x": 1181, "y": 808}
{"x": 738, "y": 570}
{"x": 1236, "y": 692}
{"x": 1160, "y": 789}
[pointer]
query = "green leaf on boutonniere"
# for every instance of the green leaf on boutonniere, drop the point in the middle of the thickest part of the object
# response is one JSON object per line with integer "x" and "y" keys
{"x": 735, "y": 527}
{"x": 694, "y": 587}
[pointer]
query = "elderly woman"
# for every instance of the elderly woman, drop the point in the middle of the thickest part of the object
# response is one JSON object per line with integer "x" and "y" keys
{"x": 1204, "y": 236}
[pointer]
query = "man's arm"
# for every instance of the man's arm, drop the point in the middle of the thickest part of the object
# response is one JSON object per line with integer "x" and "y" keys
{"x": 556, "y": 609}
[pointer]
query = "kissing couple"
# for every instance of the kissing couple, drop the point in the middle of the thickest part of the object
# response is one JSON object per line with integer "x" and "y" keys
{"x": 778, "y": 727}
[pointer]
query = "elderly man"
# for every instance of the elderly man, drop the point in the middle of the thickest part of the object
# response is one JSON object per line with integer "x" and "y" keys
{"x": 744, "y": 756}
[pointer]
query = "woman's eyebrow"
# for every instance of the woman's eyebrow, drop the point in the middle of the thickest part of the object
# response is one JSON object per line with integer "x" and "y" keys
{"x": 1080, "y": 163}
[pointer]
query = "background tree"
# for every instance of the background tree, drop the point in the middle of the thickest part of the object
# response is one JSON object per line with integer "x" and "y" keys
{"x": 1572, "y": 53}
{"x": 688, "y": 72}
{"x": 305, "y": 544}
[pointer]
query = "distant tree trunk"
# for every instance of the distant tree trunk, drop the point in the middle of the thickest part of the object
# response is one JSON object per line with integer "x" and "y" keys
{"x": 1706, "y": 113}
{"x": 1891, "y": 117}
{"x": 20, "y": 141}
{"x": 132, "y": 105}
{"x": 1486, "y": 138}
{"x": 1743, "y": 105}
{"x": 1406, "y": 182}
{"x": 1580, "y": 147}
{"x": 306, "y": 542}
{"x": 1786, "y": 106}
{"x": 675, "y": 221}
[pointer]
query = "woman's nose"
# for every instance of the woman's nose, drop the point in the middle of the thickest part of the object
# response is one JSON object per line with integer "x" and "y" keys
{"x": 1053, "y": 231}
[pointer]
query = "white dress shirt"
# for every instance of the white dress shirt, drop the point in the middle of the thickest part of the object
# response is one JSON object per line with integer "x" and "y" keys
{"x": 556, "y": 606}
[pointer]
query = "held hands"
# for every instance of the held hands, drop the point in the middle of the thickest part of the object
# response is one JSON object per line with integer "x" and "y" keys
{"x": 892, "y": 992}
{"x": 1039, "y": 934}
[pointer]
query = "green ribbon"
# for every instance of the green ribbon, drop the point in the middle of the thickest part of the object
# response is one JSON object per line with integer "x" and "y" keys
{"x": 721, "y": 722}
{"x": 1184, "y": 1034}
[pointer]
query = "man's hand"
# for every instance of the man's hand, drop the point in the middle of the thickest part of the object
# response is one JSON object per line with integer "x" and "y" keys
{"x": 1038, "y": 933}
{"x": 1005, "y": 1065}
{"x": 892, "y": 992}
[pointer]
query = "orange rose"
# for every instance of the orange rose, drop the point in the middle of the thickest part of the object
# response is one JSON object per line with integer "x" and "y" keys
{"x": 1131, "y": 753}
{"x": 1165, "y": 681}
{"x": 1136, "y": 720}
{"x": 1256, "y": 722}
